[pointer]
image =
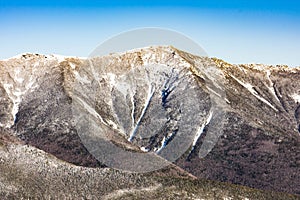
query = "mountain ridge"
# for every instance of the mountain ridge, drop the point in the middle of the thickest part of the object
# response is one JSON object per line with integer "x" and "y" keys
{"x": 257, "y": 107}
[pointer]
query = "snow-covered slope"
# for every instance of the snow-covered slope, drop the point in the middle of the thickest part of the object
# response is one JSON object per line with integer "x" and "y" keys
{"x": 234, "y": 123}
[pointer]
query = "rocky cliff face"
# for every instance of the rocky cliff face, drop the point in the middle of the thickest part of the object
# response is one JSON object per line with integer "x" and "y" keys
{"x": 150, "y": 107}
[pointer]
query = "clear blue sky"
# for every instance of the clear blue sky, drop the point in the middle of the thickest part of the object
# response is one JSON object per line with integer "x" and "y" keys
{"x": 237, "y": 31}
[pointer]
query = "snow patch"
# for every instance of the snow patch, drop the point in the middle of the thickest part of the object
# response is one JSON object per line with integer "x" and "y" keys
{"x": 227, "y": 101}
{"x": 30, "y": 84}
{"x": 17, "y": 100}
{"x": 163, "y": 145}
{"x": 17, "y": 76}
{"x": 259, "y": 67}
{"x": 144, "y": 149}
{"x": 213, "y": 91}
{"x": 242, "y": 69}
{"x": 132, "y": 110}
{"x": 15, "y": 97}
{"x": 18, "y": 56}
{"x": 19, "y": 79}
{"x": 61, "y": 58}
{"x": 84, "y": 79}
{"x": 253, "y": 92}
{"x": 36, "y": 64}
{"x": 72, "y": 65}
{"x": 151, "y": 91}
{"x": 113, "y": 125}
{"x": 148, "y": 58}
{"x": 17, "y": 89}
{"x": 201, "y": 129}
{"x": 91, "y": 110}
{"x": 111, "y": 78}
{"x": 7, "y": 87}
{"x": 296, "y": 98}
{"x": 271, "y": 87}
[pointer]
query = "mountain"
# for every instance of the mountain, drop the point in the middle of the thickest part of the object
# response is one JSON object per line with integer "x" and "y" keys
{"x": 154, "y": 123}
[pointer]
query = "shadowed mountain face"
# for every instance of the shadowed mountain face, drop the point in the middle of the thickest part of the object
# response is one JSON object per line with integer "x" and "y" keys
{"x": 231, "y": 123}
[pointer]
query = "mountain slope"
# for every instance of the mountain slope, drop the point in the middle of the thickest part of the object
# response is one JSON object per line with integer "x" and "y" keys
{"x": 27, "y": 172}
{"x": 232, "y": 123}
{"x": 260, "y": 143}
